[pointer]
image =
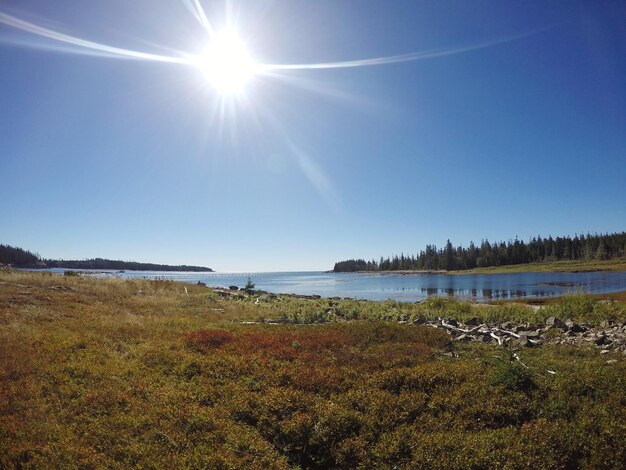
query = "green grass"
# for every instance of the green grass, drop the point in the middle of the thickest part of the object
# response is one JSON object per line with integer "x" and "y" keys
{"x": 618, "y": 264}
{"x": 119, "y": 374}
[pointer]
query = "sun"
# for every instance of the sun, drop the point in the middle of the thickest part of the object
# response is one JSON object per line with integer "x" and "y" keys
{"x": 227, "y": 64}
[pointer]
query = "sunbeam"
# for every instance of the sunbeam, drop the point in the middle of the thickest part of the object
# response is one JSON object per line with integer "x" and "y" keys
{"x": 195, "y": 7}
{"x": 228, "y": 67}
{"x": 198, "y": 12}
{"x": 409, "y": 57}
{"x": 110, "y": 51}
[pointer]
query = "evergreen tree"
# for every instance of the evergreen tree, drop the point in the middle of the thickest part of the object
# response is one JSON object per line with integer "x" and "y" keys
{"x": 538, "y": 249}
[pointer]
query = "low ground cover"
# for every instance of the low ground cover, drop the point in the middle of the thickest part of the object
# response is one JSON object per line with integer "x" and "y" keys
{"x": 617, "y": 264}
{"x": 108, "y": 373}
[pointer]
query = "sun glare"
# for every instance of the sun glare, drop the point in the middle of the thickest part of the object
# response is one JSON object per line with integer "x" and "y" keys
{"x": 227, "y": 64}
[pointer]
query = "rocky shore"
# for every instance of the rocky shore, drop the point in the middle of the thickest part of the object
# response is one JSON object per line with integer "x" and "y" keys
{"x": 606, "y": 337}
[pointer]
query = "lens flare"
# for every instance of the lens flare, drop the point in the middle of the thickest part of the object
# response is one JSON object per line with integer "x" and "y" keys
{"x": 229, "y": 68}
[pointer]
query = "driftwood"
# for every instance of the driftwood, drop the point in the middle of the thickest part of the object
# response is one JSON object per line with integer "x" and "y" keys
{"x": 607, "y": 336}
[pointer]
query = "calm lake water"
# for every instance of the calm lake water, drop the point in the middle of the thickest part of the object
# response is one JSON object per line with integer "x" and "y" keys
{"x": 404, "y": 288}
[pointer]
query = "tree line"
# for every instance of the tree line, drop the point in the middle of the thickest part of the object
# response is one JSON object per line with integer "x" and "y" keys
{"x": 538, "y": 249}
{"x": 20, "y": 258}
{"x": 100, "y": 263}
{"x": 14, "y": 256}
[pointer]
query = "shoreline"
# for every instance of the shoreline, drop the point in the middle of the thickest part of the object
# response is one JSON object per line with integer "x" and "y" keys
{"x": 573, "y": 267}
{"x": 239, "y": 291}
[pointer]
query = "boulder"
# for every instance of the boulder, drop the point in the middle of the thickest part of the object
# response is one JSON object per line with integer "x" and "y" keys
{"x": 571, "y": 325}
{"x": 233, "y": 287}
{"x": 554, "y": 322}
{"x": 600, "y": 340}
{"x": 472, "y": 321}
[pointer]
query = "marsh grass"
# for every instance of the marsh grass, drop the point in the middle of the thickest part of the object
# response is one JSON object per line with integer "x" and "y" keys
{"x": 118, "y": 374}
{"x": 617, "y": 264}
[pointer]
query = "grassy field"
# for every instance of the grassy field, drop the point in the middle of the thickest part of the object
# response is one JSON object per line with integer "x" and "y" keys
{"x": 554, "y": 266}
{"x": 118, "y": 374}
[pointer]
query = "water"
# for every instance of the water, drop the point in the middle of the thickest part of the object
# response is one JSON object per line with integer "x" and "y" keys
{"x": 403, "y": 287}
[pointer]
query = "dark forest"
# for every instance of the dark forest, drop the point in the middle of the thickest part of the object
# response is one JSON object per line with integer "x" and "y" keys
{"x": 538, "y": 249}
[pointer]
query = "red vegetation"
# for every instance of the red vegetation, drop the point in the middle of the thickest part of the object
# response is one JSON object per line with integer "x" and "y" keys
{"x": 207, "y": 339}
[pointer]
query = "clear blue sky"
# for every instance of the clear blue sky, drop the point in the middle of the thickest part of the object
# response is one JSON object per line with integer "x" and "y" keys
{"x": 129, "y": 159}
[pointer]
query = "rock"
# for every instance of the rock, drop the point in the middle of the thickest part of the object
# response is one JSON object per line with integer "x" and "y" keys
{"x": 233, "y": 287}
{"x": 611, "y": 361}
{"x": 523, "y": 340}
{"x": 600, "y": 340}
{"x": 554, "y": 322}
{"x": 573, "y": 326}
{"x": 532, "y": 335}
{"x": 472, "y": 322}
{"x": 61, "y": 288}
{"x": 606, "y": 323}
{"x": 200, "y": 283}
{"x": 451, "y": 354}
{"x": 485, "y": 338}
{"x": 605, "y": 351}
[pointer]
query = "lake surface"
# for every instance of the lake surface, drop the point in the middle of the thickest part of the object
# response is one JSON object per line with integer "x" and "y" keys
{"x": 403, "y": 287}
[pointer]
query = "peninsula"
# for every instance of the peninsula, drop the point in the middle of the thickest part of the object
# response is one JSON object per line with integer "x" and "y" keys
{"x": 20, "y": 258}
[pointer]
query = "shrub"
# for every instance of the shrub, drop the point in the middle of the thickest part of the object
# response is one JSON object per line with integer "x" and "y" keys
{"x": 208, "y": 339}
{"x": 513, "y": 375}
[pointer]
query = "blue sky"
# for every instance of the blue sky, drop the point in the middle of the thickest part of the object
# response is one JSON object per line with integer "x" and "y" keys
{"x": 131, "y": 159}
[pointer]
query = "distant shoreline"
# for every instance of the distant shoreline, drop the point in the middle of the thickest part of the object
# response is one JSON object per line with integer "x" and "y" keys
{"x": 587, "y": 266}
{"x": 115, "y": 265}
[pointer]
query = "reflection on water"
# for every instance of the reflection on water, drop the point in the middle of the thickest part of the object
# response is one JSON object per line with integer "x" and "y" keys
{"x": 493, "y": 294}
{"x": 405, "y": 288}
